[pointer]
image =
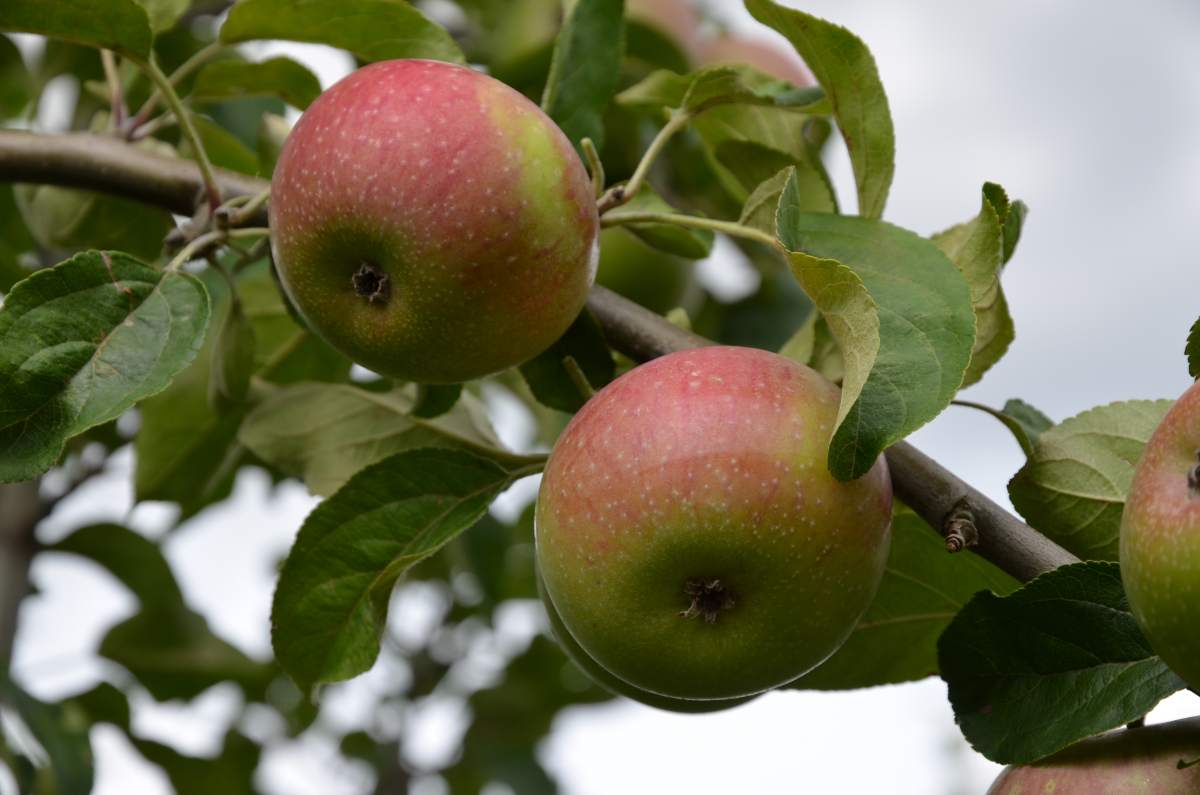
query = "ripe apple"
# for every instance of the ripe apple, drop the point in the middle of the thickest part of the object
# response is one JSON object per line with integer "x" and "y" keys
{"x": 619, "y": 686}
{"x": 658, "y": 281}
{"x": 432, "y": 223}
{"x": 689, "y": 532}
{"x": 1126, "y": 761}
{"x": 763, "y": 54}
{"x": 1160, "y": 539}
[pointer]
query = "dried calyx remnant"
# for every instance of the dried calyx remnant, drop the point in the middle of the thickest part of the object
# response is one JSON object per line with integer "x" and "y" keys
{"x": 708, "y": 598}
{"x": 372, "y": 283}
{"x": 1194, "y": 477}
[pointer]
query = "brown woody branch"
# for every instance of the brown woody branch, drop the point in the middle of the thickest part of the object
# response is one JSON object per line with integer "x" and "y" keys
{"x": 106, "y": 164}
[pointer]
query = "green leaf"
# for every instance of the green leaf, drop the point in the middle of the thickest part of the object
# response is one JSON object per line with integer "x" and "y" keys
{"x": 979, "y": 248}
{"x": 706, "y": 88}
{"x": 166, "y": 645}
{"x": 276, "y": 77}
{"x": 82, "y": 342}
{"x": 17, "y": 246}
{"x": 434, "y": 400}
{"x": 1033, "y": 421}
{"x": 846, "y": 71}
{"x": 374, "y": 30}
{"x": 224, "y": 148}
{"x": 1057, "y": 661}
{"x": 62, "y": 732}
{"x": 325, "y": 433}
{"x": 901, "y": 313}
{"x": 683, "y": 242}
{"x": 232, "y": 360}
{"x": 1073, "y": 487}
{"x": 66, "y": 219}
{"x": 229, "y": 773}
{"x": 1025, "y": 422}
{"x": 330, "y": 606}
{"x": 547, "y": 376}
{"x": 585, "y": 68}
{"x": 16, "y": 84}
{"x": 273, "y": 130}
{"x": 164, "y": 13}
{"x": 119, "y": 25}
{"x": 1192, "y": 350}
{"x": 923, "y": 588}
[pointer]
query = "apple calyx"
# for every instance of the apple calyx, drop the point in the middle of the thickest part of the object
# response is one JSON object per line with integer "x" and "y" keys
{"x": 708, "y": 599}
{"x": 1193, "y": 477}
{"x": 372, "y": 283}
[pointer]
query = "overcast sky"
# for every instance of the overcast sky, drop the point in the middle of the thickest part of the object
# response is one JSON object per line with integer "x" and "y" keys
{"x": 1090, "y": 112}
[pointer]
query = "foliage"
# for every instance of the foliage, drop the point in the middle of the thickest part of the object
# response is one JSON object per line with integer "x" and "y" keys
{"x": 104, "y": 329}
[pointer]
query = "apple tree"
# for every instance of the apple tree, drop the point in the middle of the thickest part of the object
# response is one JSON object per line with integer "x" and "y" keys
{"x": 188, "y": 279}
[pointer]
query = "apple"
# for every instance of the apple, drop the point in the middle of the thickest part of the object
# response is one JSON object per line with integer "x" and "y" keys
{"x": 618, "y": 686}
{"x": 763, "y": 54}
{"x": 432, "y": 223}
{"x": 690, "y": 535}
{"x": 678, "y": 20}
{"x": 1124, "y": 762}
{"x": 656, "y": 280}
{"x": 1160, "y": 539}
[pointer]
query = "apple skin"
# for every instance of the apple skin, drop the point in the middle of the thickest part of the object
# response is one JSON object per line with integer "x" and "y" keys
{"x": 1125, "y": 762}
{"x": 458, "y": 189}
{"x": 619, "y": 686}
{"x": 695, "y": 487}
{"x": 765, "y": 56}
{"x": 1160, "y": 539}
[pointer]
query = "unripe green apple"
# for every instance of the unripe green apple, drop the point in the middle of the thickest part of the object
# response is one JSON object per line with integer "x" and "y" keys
{"x": 656, "y": 280}
{"x": 765, "y": 56}
{"x": 1160, "y": 539}
{"x": 690, "y": 534}
{"x": 619, "y": 686}
{"x": 1141, "y": 761}
{"x": 432, "y": 223}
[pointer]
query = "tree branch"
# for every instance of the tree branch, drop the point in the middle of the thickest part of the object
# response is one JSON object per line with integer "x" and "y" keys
{"x": 105, "y": 164}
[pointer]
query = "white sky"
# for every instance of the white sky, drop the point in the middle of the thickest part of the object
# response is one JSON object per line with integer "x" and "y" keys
{"x": 1090, "y": 112}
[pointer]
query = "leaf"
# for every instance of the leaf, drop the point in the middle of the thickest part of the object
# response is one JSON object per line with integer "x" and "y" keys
{"x": 374, "y": 30}
{"x": 585, "y": 69}
{"x": 326, "y": 433}
{"x": 331, "y": 603}
{"x": 276, "y": 77}
{"x": 923, "y": 588}
{"x": 547, "y": 376}
{"x": 1033, "y": 421}
{"x": 16, "y": 244}
{"x": 1025, "y": 434}
{"x": 1057, "y": 661}
{"x": 1073, "y": 487}
{"x": 272, "y": 132}
{"x": 978, "y": 249}
{"x": 66, "y": 219}
{"x": 901, "y": 313}
{"x": 16, "y": 84}
{"x": 61, "y": 732}
{"x": 82, "y": 342}
{"x": 164, "y": 13}
{"x": 229, "y": 773}
{"x": 711, "y": 86}
{"x": 846, "y": 71}
{"x": 434, "y": 400}
{"x": 232, "y": 360}
{"x": 166, "y": 645}
{"x": 1192, "y": 350}
{"x": 119, "y": 25}
{"x": 224, "y": 148}
{"x": 683, "y": 242}
{"x": 761, "y": 207}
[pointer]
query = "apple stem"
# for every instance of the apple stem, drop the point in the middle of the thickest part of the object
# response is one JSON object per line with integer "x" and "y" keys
{"x": 709, "y": 597}
{"x": 959, "y": 528}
